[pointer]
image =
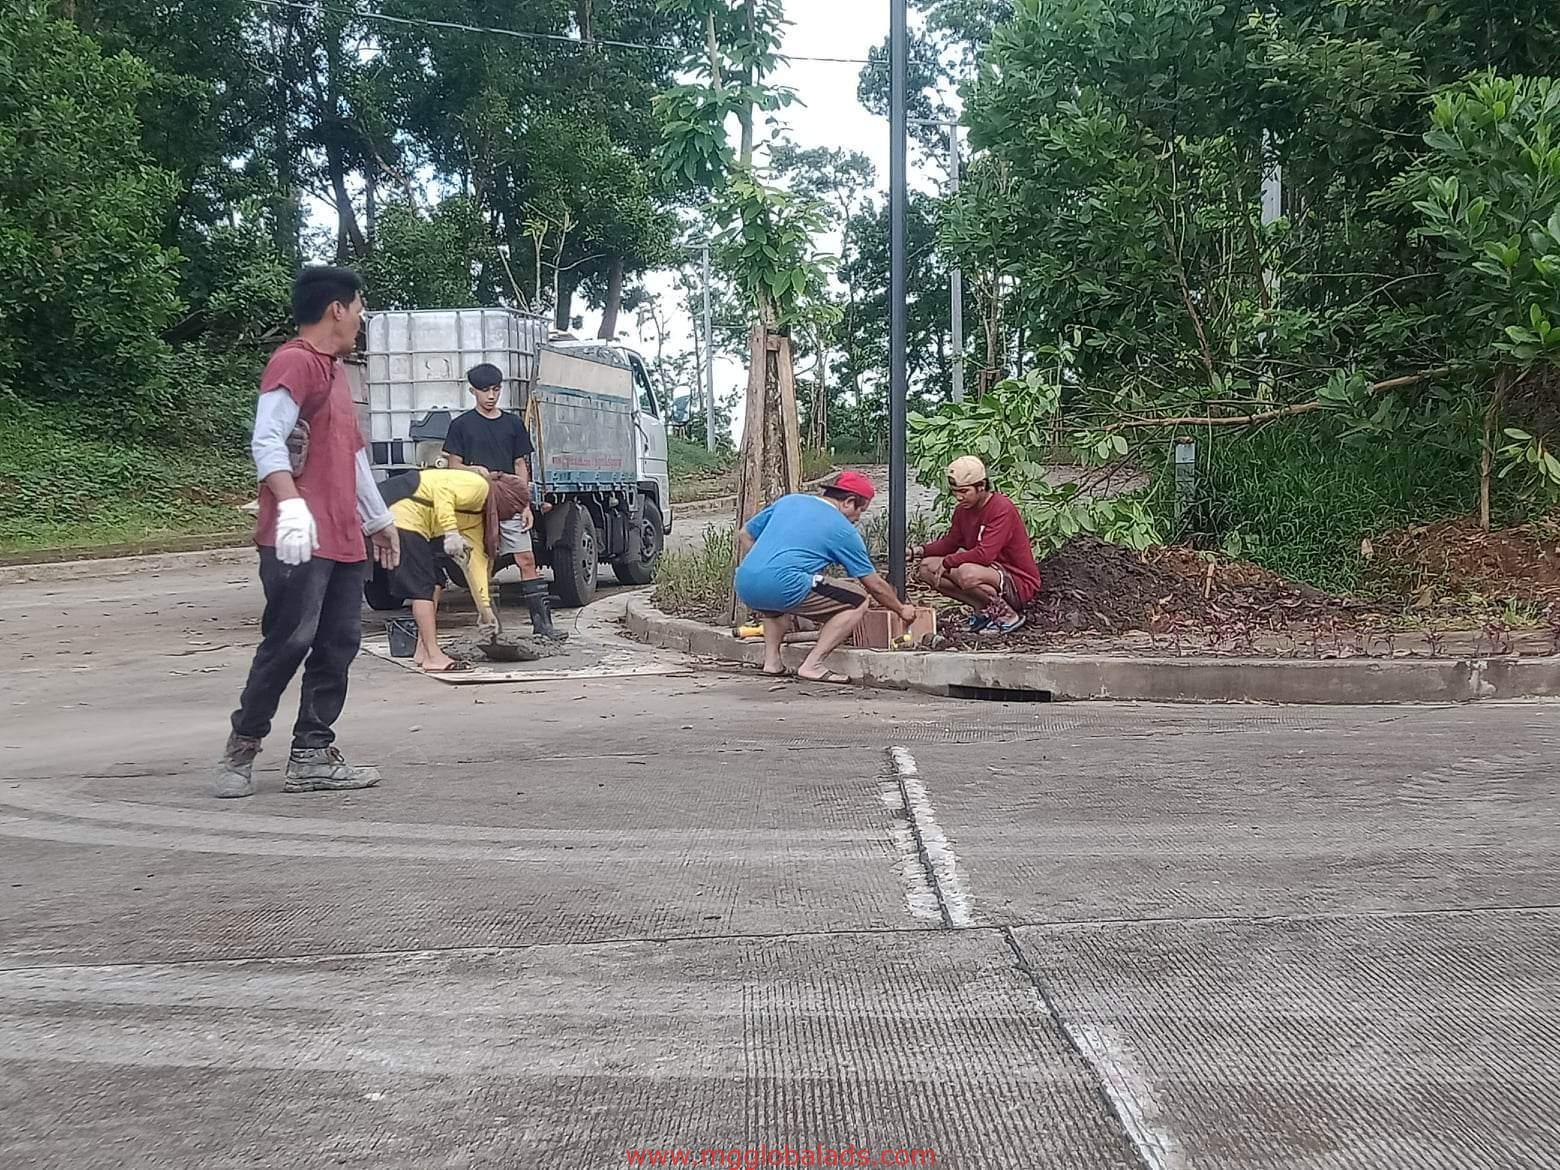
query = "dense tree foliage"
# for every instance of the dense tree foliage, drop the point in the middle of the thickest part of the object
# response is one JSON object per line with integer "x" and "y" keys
{"x": 86, "y": 281}
{"x": 1114, "y": 210}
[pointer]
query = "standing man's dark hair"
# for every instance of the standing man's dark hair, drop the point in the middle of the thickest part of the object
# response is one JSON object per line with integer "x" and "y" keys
{"x": 485, "y": 375}
{"x": 315, "y": 512}
{"x": 318, "y": 288}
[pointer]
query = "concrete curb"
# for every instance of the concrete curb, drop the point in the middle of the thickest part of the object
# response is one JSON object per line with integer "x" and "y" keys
{"x": 240, "y": 551}
{"x": 146, "y": 548}
{"x": 715, "y": 504}
{"x": 1166, "y": 680}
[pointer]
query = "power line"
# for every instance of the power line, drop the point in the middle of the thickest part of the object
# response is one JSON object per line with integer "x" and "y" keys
{"x": 518, "y": 34}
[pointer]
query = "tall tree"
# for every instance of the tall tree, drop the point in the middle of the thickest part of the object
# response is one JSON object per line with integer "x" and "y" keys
{"x": 553, "y": 139}
{"x": 86, "y": 283}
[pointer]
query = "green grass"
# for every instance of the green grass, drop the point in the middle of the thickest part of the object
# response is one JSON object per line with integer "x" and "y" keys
{"x": 698, "y": 474}
{"x": 696, "y": 583}
{"x": 1299, "y": 502}
{"x": 64, "y": 486}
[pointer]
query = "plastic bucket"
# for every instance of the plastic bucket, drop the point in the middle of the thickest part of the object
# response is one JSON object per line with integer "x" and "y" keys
{"x": 403, "y": 636}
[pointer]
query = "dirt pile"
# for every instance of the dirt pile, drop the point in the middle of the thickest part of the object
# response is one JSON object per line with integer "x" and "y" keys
{"x": 1091, "y": 585}
{"x": 1455, "y": 559}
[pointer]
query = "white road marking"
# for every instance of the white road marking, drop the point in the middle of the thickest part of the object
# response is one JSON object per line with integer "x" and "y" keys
{"x": 946, "y": 880}
{"x": 1130, "y": 1093}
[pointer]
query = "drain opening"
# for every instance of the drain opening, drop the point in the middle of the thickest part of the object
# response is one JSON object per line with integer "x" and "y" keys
{"x": 1000, "y": 694}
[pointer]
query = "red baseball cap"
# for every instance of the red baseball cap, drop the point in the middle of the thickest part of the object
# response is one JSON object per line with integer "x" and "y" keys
{"x": 855, "y": 483}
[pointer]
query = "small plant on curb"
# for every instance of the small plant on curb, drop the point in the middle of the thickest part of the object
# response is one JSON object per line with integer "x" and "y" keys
{"x": 696, "y": 583}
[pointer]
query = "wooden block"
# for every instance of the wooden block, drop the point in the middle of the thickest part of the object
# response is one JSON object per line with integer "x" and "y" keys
{"x": 882, "y": 630}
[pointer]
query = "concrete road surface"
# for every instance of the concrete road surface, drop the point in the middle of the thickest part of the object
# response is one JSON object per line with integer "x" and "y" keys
{"x": 707, "y": 919}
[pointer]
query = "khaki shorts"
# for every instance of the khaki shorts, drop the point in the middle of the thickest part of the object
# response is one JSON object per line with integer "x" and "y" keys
{"x": 830, "y": 596}
{"x": 513, "y": 537}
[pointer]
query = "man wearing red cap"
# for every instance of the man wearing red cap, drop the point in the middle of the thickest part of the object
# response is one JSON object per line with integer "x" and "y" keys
{"x": 986, "y": 560}
{"x": 786, "y": 549}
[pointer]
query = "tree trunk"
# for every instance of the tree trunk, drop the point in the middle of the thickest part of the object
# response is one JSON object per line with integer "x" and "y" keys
{"x": 348, "y": 231}
{"x": 1487, "y": 453}
{"x": 583, "y": 18}
{"x": 563, "y": 311}
{"x": 370, "y": 207}
{"x": 989, "y": 375}
{"x": 614, "y": 302}
{"x": 288, "y": 211}
{"x": 819, "y": 438}
{"x": 771, "y": 464}
{"x": 745, "y": 113}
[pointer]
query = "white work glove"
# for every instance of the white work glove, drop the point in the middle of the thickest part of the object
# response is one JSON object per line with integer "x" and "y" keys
{"x": 296, "y": 536}
{"x": 455, "y": 546}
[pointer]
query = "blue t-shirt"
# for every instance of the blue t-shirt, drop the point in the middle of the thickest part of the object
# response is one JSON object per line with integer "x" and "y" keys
{"x": 797, "y": 538}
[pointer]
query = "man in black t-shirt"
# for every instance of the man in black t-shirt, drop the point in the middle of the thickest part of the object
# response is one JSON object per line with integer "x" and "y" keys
{"x": 489, "y": 440}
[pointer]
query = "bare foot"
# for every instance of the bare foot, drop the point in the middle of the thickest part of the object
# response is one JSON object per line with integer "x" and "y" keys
{"x": 436, "y": 665}
{"x": 774, "y": 669}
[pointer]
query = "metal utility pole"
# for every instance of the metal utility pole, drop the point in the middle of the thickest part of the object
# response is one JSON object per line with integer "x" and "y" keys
{"x": 956, "y": 278}
{"x": 898, "y": 52}
{"x": 709, "y": 358}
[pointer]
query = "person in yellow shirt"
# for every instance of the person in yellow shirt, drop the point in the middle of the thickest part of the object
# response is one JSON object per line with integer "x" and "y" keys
{"x": 455, "y": 514}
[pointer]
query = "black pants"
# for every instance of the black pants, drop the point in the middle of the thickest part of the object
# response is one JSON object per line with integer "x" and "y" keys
{"x": 313, "y": 618}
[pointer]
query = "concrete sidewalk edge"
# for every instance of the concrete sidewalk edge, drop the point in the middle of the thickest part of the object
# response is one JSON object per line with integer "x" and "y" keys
{"x": 235, "y": 551}
{"x": 1166, "y": 680}
{"x": 713, "y": 505}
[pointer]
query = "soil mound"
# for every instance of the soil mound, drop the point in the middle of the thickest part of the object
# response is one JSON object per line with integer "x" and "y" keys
{"x": 1090, "y": 584}
{"x": 1456, "y": 558}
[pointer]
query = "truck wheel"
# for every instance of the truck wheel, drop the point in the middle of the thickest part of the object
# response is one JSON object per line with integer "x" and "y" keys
{"x": 575, "y": 559}
{"x": 376, "y": 591}
{"x": 638, "y": 568}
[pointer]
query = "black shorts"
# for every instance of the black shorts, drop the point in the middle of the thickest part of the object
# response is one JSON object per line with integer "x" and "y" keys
{"x": 421, "y": 570}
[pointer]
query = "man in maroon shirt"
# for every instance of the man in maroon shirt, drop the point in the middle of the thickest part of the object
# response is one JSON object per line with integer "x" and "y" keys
{"x": 318, "y": 503}
{"x": 986, "y": 560}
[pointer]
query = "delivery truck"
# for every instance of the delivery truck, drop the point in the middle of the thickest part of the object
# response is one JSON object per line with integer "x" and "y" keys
{"x": 599, "y": 471}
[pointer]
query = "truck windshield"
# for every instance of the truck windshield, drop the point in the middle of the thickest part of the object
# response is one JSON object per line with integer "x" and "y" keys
{"x": 647, "y": 403}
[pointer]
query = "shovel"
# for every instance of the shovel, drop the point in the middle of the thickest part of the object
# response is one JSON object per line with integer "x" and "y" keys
{"x": 495, "y": 651}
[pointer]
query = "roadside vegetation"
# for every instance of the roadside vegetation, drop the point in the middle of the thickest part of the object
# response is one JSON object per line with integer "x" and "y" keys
{"x": 1319, "y": 240}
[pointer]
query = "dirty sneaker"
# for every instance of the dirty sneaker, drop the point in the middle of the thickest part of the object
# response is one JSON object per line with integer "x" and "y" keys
{"x": 325, "y": 770}
{"x": 1002, "y": 618}
{"x": 236, "y": 779}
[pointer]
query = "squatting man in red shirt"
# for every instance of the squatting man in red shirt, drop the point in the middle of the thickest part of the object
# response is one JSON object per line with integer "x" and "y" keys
{"x": 320, "y": 511}
{"x": 986, "y": 560}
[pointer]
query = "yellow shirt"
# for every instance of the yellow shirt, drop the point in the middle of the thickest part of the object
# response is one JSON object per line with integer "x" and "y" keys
{"x": 450, "y": 501}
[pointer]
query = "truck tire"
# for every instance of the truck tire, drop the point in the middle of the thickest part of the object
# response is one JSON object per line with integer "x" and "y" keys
{"x": 638, "y": 568}
{"x": 376, "y": 591}
{"x": 575, "y": 559}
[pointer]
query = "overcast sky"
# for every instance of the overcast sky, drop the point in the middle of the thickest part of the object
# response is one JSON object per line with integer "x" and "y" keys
{"x": 828, "y": 114}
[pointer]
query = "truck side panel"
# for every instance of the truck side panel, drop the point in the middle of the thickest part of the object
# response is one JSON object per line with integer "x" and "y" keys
{"x": 582, "y": 420}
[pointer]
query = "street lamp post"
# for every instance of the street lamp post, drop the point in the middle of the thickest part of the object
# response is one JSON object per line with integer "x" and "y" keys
{"x": 897, "y": 333}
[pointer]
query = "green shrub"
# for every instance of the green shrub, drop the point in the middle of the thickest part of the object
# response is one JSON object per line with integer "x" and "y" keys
{"x": 63, "y": 483}
{"x": 1299, "y": 501}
